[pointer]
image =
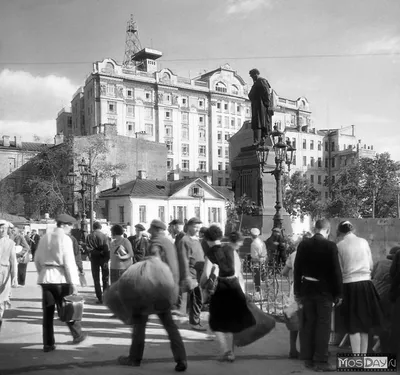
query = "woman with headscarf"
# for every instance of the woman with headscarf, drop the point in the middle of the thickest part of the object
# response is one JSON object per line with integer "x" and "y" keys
{"x": 361, "y": 309}
{"x": 8, "y": 268}
{"x": 229, "y": 312}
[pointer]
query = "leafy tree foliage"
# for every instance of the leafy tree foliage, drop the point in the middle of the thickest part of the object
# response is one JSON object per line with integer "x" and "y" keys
{"x": 300, "y": 198}
{"x": 236, "y": 210}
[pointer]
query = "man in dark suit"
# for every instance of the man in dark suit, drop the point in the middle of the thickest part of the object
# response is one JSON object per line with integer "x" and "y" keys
{"x": 317, "y": 287}
{"x": 35, "y": 238}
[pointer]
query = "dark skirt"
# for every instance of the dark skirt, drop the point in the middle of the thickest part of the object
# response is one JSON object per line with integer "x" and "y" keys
{"x": 361, "y": 310}
{"x": 228, "y": 308}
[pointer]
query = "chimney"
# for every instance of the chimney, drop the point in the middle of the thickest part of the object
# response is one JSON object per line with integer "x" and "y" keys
{"x": 115, "y": 182}
{"x": 18, "y": 141}
{"x": 142, "y": 174}
{"x": 58, "y": 139}
{"x": 6, "y": 141}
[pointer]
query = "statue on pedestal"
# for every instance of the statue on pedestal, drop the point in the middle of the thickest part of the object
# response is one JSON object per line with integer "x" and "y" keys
{"x": 261, "y": 107}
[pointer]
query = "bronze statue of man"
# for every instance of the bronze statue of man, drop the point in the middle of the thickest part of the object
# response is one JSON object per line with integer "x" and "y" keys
{"x": 261, "y": 107}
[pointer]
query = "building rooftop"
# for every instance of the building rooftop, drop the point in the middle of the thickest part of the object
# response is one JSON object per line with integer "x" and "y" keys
{"x": 26, "y": 146}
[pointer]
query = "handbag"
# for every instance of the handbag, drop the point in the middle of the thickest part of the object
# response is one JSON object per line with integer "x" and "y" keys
{"x": 71, "y": 308}
{"x": 211, "y": 283}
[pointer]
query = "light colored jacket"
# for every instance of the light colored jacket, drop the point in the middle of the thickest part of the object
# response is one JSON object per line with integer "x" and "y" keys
{"x": 355, "y": 258}
{"x": 55, "y": 259}
{"x": 258, "y": 250}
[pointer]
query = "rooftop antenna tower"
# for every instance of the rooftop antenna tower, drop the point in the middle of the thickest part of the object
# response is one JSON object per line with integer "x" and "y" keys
{"x": 132, "y": 43}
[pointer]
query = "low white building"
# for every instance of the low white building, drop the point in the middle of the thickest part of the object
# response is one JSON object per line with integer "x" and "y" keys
{"x": 142, "y": 200}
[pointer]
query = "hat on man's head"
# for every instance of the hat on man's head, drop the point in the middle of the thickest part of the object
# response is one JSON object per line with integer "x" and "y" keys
{"x": 255, "y": 231}
{"x": 392, "y": 252}
{"x": 4, "y": 222}
{"x": 65, "y": 219}
{"x": 176, "y": 222}
{"x": 194, "y": 220}
{"x": 140, "y": 227}
{"x": 158, "y": 224}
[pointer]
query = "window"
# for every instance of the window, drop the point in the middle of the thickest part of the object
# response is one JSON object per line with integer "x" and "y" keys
{"x": 333, "y": 146}
{"x": 147, "y": 95}
{"x": 326, "y": 146}
{"x": 219, "y": 106}
{"x": 202, "y": 150}
{"x": 333, "y": 162}
{"x": 202, "y": 166}
{"x": 161, "y": 213}
{"x": 169, "y": 147}
{"x": 220, "y": 166}
{"x": 185, "y": 149}
{"x": 226, "y": 167}
{"x": 170, "y": 163}
{"x": 312, "y": 145}
{"x": 110, "y": 89}
{"x": 184, "y": 102}
{"x": 112, "y": 107}
{"x": 185, "y": 165}
{"x": 235, "y": 90}
{"x": 312, "y": 178}
{"x": 214, "y": 215}
{"x": 148, "y": 128}
{"x": 226, "y": 122}
{"x": 168, "y": 114}
{"x": 219, "y": 136}
{"x": 232, "y": 123}
{"x": 202, "y": 134}
{"x": 201, "y": 120}
{"x": 201, "y": 103}
{"x": 130, "y": 110}
{"x": 219, "y": 121}
{"x": 319, "y": 180}
{"x": 142, "y": 214}
{"x": 238, "y": 108}
{"x": 312, "y": 161}
{"x": 304, "y": 161}
{"x": 180, "y": 212}
{"x": 185, "y": 132}
{"x": 319, "y": 162}
{"x": 130, "y": 126}
{"x": 227, "y": 136}
{"x": 226, "y": 106}
{"x": 326, "y": 163}
{"x": 12, "y": 164}
{"x": 319, "y": 145}
{"x": 129, "y": 93}
{"x": 185, "y": 117}
{"x": 121, "y": 211}
{"x": 148, "y": 113}
{"x": 294, "y": 142}
{"x": 304, "y": 144}
{"x": 227, "y": 152}
{"x": 168, "y": 130}
{"x": 219, "y": 152}
{"x": 220, "y": 87}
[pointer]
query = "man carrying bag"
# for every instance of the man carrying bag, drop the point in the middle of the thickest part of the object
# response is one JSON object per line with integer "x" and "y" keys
{"x": 58, "y": 277}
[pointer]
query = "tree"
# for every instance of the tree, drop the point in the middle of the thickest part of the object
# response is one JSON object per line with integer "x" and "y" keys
{"x": 236, "y": 210}
{"x": 361, "y": 186}
{"x": 11, "y": 202}
{"x": 300, "y": 198}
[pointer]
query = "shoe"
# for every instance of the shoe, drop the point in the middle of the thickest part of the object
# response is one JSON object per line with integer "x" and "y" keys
{"x": 324, "y": 367}
{"x": 198, "y": 327}
{"x": 128, "y": 361}
{"x": 81, "y": 338}
{"x": 228, "y": 357}
{"x": 49, "y": 348}
{"x": 294, "y": 355}
{"x": 181, "y": 366}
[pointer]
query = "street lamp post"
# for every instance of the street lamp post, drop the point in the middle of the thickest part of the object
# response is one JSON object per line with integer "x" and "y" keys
{"x": 87, "y": 183}
{"x": 284, "y": 154}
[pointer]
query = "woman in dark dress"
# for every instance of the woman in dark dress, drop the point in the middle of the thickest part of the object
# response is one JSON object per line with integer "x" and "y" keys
{"x": 229, "y": 312}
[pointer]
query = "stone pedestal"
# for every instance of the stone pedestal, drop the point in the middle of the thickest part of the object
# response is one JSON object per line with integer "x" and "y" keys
{"x": 248, "y": 179}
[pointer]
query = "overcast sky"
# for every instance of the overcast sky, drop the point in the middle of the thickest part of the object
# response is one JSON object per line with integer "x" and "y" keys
{"x": 343, "y": 55}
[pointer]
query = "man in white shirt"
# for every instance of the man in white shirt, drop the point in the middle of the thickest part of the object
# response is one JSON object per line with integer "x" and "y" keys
{"x": 58, "y": 277}
{"x": 258, "y": 253}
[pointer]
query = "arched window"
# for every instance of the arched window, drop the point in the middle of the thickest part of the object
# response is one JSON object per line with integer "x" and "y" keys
{"x": 221, "y": 87}
{"x": 110, "y": 68}
{"x": 235, "y": 90}
{"x": 166, "y": 77}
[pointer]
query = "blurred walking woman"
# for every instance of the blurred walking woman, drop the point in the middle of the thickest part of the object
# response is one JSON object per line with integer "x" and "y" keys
{"x": 8, "y": 268}
{"x": 361, "y": 309}
{"x": 228, "y": 308}
{"x": 121, "y": 253}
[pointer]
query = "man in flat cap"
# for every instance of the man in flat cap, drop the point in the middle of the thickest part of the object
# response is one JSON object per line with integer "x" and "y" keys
{"x": 58, "y": 277}
{"x": 97, "y": 245}
{"x": 163, "y": 248}
{"x": 261, "y": 107}
{"x": 258, "y": 252}
{"x": 139, "y": 243}
{"x": 191, "y": 262}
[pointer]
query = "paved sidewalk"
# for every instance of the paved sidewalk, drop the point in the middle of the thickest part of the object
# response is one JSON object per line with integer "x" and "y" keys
{"x": 21, "y": 344}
